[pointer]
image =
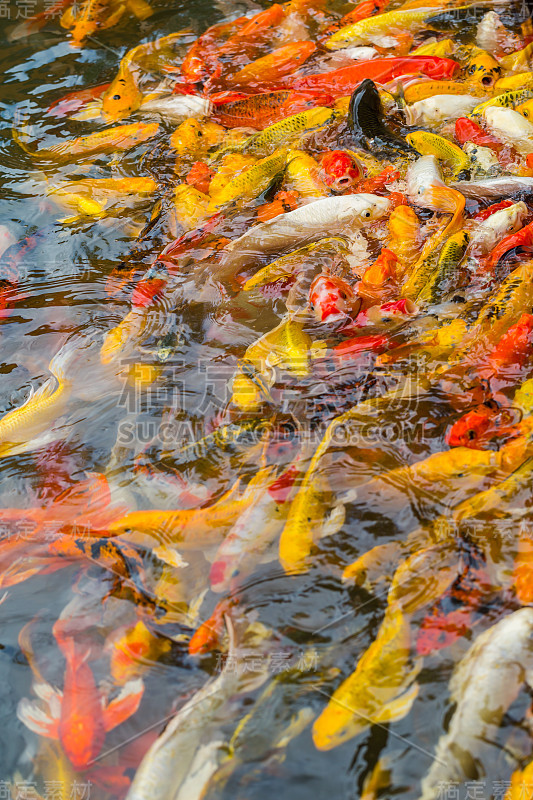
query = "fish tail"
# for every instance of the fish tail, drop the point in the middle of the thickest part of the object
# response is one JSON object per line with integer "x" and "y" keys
{"x": 20, "y": 131}
{"x": 64, "y": 359}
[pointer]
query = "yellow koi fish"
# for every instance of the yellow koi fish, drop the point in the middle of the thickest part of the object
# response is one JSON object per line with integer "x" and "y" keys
{"x": 28, "y": 427}
{"x": 123, "y": 137}
{"x": 381, "y": 690}
{"x": 191, "y": 528}
{"x": 252, "y": 182}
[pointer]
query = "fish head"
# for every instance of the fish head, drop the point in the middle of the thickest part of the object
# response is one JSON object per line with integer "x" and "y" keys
{"x": 526, "y": 109}
{"x": 370, "y": 207}
{"x": 483, "y": 70}
{"x": 422, "y": 178}
{"x": 468, "y": 431}
{"x": 122, "y": 98}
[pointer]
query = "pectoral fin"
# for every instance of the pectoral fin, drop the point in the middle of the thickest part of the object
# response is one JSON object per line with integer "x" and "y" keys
{"x": 397, "y": 708}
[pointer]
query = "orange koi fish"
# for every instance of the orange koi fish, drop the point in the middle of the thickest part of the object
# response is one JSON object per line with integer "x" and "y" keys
{"x": 283, "y": 61}
{"x": 79, "y": 716}
{"x": 201, "y": 58}
{"x": 254, "y": 32}
{"x": 73, "y": 101}
{"x": 341, "y": 171}
{"x": 37, "y": 21}
{"x": 261, "y": 110}
{"x": 523, "y": 238}
{"x": 363, "y": 10}
{"x": 477, "y": 427}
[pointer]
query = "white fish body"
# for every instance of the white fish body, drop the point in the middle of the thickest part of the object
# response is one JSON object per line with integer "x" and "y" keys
{"x": 489, "y": 232}
{"x": 423, "y": 176}
{"x": 492, "y": 35}
{"x": 438, "y": 108}
{"x": 242, "y": 548}
{"x": 176, "y": 108}
{"x": 484, "y": 684}
{"x": 493, "y": 188}
{"x": 328, "y": 216}
{"x": 483, "y": 160}
{"x": 6, "y": 239}
{"x": 511, "y": 127}
{"x": 166, "y": 767}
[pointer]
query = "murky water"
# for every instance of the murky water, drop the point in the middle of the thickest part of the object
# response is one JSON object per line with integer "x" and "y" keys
{"x": 129, "y": 420}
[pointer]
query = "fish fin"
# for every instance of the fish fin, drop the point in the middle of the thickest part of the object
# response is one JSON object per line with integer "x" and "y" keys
{"x": 113, "y": 18}
{"x": 90, "y": 111}
{"x": 63, "y": 359}
{"x": 68, "y": 17}
{"x": 37, "y": 720}
{"x": 334, "y": 521}
{"x": 26, "y": 28}
{"x": 260, "y": 480}
{"x": 398, "y": 708}
{"x": 20, "y": 132}
{"x": 170, "y": 556}
{"x": 124, "y": 705}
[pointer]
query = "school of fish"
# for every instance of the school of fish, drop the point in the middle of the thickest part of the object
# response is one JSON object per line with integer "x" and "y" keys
{"x": 332, "y": 205}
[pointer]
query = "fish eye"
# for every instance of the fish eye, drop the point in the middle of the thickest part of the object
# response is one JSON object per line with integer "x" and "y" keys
{"x": 116, "y": 97}
{"x": 471, "y": 435}
{"x": 472, "y": 69}
{"x": 366, "y": 214}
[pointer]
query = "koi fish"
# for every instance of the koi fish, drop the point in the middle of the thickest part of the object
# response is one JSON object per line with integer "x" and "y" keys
{"x": 510, "y": 127}
{"x": 428, "y": 144}
{"x": 95, "y": 196}
{"x": 132, "y": 650}
{"x": 482, "y": 69}
{"x": 433, "y": 110}
{"x": 341, "y": 170}
{"x": 287, "y": 265}
{"x": 192, "y": 528}
{"x": 365, "y": 120}
{"x": 89, "y": 18}
{"x": 382, "y": 688}
{"x": 79, "y": 716}
{"x": 261, "y": 110}
{"x": 512, "y": 99}
{"x": 254, "y": 31}
{"x": 404, "y": 236}
{"x": 252, "y": 534}
{"x": 343, "y": 81}
{"x": 446, "y": 276}
{"x": 477, "y": 427}
{"x": 250, "y": 183}
{"x": 327, "y": 216}
{"x": 37, "y": 21}
{"x": 268, "y": 69}
{"x": 167, "y": 764}
{"x": 193, "y": 139}
{"x": 496, "y": 225}
{"x": 304, "y": 175}
{"x": 330, "y": 297}
{"x": 73, "y": 101}
{"x": 522, "y": 238}
{"x": 428, "y": 88}
{"x": 384, "y": 30}
{"x": 28, "y": 427}
{"x": 123, "y": 137}
{"x": 484, "y": 684}
{"x": 288, "y": 129}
